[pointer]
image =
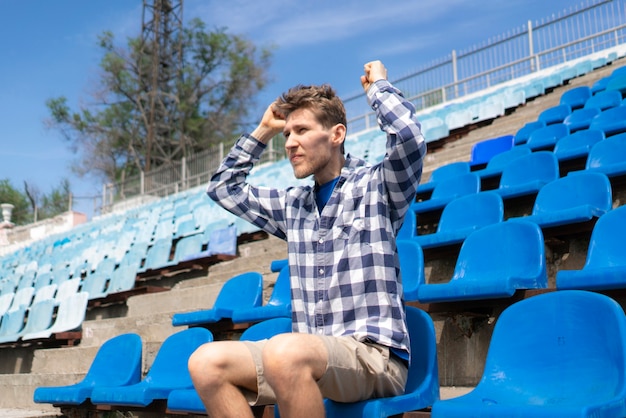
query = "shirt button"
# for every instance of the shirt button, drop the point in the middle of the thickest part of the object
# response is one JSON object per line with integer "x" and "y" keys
{"x": 320, "y": 331}
{"x": 321, "y": 271}
{"x": 321, "y": 240}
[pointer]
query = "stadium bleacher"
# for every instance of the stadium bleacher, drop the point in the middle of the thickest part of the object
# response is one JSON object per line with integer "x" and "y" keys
{"x": 134, "y": 271}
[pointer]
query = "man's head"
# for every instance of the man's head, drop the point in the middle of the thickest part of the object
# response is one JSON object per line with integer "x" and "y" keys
{"x": 315, "y": 130}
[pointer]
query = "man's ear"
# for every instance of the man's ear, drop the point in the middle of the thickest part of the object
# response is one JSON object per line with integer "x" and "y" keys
{"x": 339, "y": 134}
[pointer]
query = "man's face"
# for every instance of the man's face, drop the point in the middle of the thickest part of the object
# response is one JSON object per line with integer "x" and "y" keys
{"x": 310, "y": 147}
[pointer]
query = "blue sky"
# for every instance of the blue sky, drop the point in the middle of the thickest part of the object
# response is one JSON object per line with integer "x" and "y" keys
{"x": 49, "y": 49}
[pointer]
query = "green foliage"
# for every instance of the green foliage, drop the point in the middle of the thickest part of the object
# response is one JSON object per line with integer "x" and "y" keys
{"x": 204, "y": 92}
{"x": 29, "y": 201}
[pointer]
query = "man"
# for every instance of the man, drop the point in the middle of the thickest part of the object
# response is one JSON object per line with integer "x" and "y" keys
{"x": 350, "y": 339}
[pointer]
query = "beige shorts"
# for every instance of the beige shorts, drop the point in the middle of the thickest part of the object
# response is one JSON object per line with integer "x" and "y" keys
{"x": 356, "y": 371}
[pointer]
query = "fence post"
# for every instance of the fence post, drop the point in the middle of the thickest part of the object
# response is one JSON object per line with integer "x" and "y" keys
{"x": 531, "y": 49}
{"x": 183, "y": 175}
{"x": 142, "y": 183}
{"x": 455, "y": 74}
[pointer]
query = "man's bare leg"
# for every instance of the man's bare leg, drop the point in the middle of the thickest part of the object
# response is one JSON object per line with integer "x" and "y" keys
{"x": 218, "y": 370}
{"x": 293, "y": 363}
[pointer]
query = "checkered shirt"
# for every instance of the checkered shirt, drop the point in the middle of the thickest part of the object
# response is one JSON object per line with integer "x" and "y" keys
{"x": 345, "y": 275}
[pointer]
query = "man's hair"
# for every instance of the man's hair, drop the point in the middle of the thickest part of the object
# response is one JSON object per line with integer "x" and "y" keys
{"x": 321, "y": 100}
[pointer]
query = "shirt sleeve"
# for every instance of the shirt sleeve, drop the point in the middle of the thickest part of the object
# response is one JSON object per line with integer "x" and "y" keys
{"x": 228, "y": 187}
{"x": 402, "y": 165}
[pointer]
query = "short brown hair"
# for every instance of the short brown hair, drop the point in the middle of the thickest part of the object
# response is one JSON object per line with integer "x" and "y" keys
{"x": 321, "y": 100}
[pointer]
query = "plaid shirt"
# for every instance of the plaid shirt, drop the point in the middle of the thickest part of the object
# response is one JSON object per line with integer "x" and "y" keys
{"x": 345, "y": 275}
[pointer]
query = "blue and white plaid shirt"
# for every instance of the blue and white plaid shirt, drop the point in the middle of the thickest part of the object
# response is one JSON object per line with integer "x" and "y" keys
{"x": 345, "y": 275}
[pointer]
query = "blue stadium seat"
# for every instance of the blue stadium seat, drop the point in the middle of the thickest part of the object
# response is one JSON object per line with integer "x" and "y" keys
{"x": 444, "y": 172}
{"x": 117, "y": 363}
{"x": 494, "y": 262}
{"x": 608, "y": 156}
{"x": 555, "y": 114}
{"x": 12, "y": 323}
{"x": 278, "y": 305}
{"x": 483, "y": 151}
{"x": 411, "y": 267}
{"x": 69, "y": 317}
{"x": 600, "y": 85}
{"x": 463, "y": 216}
{"x": 522, "y": 135}
{"x": 158, "y": 255}
{"x": 447, "y": 190}
{"x": 6, "y": 298}
{"x": 239, "y": 292}
{"x": 38, "y": 318}
{"x": 560, "y": 354}
{"x": 527, "y": 174}
{"x": 577, "y": 144}
{"x": 422, "y": 387}
{"x": 617, "y": 83}
{"x": 434, "y": 129}
{"x": 187, "y": 248}
{"x": 409, "y": 226}
{"x": 580, "y": 119}
{"x": 576, "y": 97}
{"x": 611, "y": 121}
{"x": 572, "y": 199}
{"x": 498, "y": 162}
{"x": 188, "y": 401}
{"x": 545, "y": 138}
{"x": 605, "y": 265}
{"x": 123, "y": 278}
{"x": 458, "y": 118}
{"x": 168, "y": 372}
{"x": 604, "y": 100}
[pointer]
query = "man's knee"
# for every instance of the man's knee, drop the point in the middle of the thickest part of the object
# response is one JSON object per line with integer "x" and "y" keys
{"x": 209, "y": 364}
{"x": 288, "y": 356}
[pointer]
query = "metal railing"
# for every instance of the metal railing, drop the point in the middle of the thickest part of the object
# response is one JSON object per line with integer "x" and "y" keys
{"x": 590, "y": 27}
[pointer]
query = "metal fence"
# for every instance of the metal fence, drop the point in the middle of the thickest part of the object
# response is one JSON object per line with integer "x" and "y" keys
{"x": 589, "y": 27}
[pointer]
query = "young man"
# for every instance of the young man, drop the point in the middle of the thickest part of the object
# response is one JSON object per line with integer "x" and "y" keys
{"x": 350, "y": 339}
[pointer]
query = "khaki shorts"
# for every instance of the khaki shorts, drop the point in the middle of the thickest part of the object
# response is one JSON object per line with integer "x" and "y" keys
{"x": 356, "y": 371}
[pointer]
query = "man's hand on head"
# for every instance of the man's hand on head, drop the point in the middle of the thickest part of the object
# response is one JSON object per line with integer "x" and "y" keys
{"x": 374, "y": 71}
{"x": 272, "y": 123}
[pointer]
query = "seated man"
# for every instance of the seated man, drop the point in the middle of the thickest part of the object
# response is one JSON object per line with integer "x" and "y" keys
{"x": 350, "y": 339}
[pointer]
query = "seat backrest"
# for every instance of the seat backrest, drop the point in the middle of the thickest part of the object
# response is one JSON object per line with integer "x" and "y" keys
{"x": 558, "y": 346}
{"x": 22, "y": 298}
{"x": 608, "y": 240}
{"x": 460, "y": 185}
{"x": 611, "y": 121}
{"x": 188, "y": 246}
{"x": 522, "y": 135}
{"x": 40, "y": 316}
{"x": 536, "y": 166}
{"x": 423, "y": 369}
{"x": 169, "y": 367}
{"x": 503, "y": 251}
{"x": 5, "y": 302}
{"x": 281, "y": 295}
{"x": 579, "y": 141}
{"x": 484, "y": 151}
{"x": 604, "y": 100}
{"x": 67, "y": 289}
{"x": 576, "y": 97}
{"x": 267, "y": 329}
{"x": 580, "y": 118}
{"x": 158, "y": 255}
{"x": 548, "y": 136}
{"x": 411, "y": 259}
{"x": 498, "y": 162}
{"x": 472, "y": 212}
{"x": 611, "y": 150}
{"x": 13, "y": 321}
{"x": 245, "y": 289}
{"x": 223, "y": 241}
{"x": 45, "y": 293}
{"x": 71, "y": 312}
{"x": 555, "y": 114}
{"x": 409, "y": 226}
{"x": 118, "y": 362}
{"x": 583, "y": 189}
{"x": 450, "y": 170}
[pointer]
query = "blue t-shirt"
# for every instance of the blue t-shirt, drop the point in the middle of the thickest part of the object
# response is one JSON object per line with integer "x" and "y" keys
{"x": 323, "y": 192}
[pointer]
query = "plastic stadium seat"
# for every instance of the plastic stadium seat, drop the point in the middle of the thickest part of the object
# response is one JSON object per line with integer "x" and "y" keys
{"x": 168, "y": 372}
{"x": 158, "y": 255}
{"x": 610, "y": 121}
{"x": 123, "y": 352}
{"x": 447, "y": 190}
{"x": 12, "y": 324}
{"x": 411, "y": 259}
{"x": 483, "y": 151}
{"x": 186, "y": 247}
{"x": 239, "y": 292}
{"x": 5, "y": 302}
{"x": 22, "y": 298}
{"x": 527, "y": 174}
{"x": 572, "y": 199}
{"x": 70, "y": 316}
{"x": 604, "y": 100}
{"x": 559, "y": 354}
{"x": 187, "y": 400}
{"x": 608, "y": 156}
{"x": 458, "y": 119}
{"x": 498, "y": 162}
{"x": 494, "y": 262}
{"x": 522, "y": 135}
{"x": 545, "y": 138}
{"x": 38, "y": 318}
{"x": 617, "y": 83}
{"x": 555, "y": 114}
{"x": 444, "y": 172}
{"x": 576, "y": 97}
{"x": 123, "y": 278}
{"x": 434, "y": 128}
{"x": 577, "y": 144}
{"x": 605, "y": 266}
{"x": 278, "y": 305}
{"x": 409, "y": 226}
{"x": 580, "y": 119}
{"x": 422, "y": 387}
{"x": 462, "y": 216}
{"x": 600, "y": 85}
